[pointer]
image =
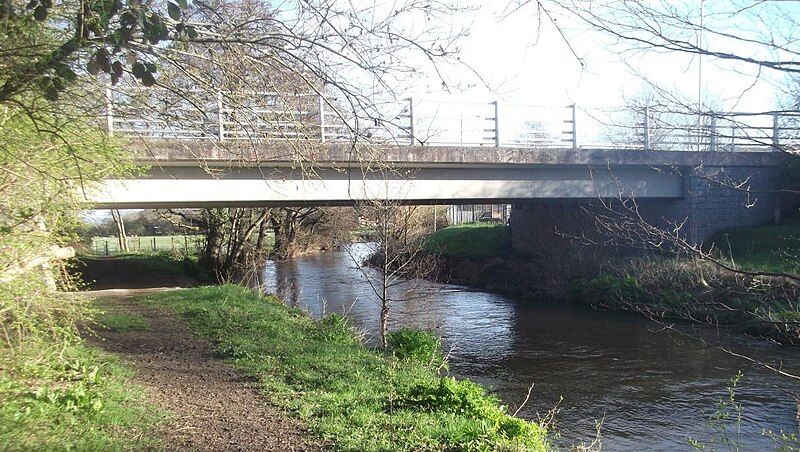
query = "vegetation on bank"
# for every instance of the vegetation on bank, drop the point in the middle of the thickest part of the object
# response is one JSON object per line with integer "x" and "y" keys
{"x": 774, "y": 248}
{"x": 120, "y": 270}
{"x": 67, "y": 395}
{"x": 654, "y": 285}
{"x": 472, "y": 239}
{"x": 354, "y": 397}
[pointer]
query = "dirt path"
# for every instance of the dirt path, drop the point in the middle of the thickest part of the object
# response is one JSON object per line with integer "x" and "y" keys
{"x": 214, "y": 407}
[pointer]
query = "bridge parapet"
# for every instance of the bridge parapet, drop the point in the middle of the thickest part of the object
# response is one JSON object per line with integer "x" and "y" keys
{"x": 280, "y": 153}
{"x": 309, "y": 119}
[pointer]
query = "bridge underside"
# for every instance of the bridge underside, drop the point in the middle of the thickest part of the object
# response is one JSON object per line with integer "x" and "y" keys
{"x": 193, "y": 186}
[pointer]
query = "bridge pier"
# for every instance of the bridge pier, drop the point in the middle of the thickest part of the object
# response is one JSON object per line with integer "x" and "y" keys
{"x": 714, "y": 199}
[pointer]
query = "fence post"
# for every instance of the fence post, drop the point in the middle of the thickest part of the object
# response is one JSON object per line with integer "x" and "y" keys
{"x": 106, "y": 242}
{"x": 154, "y": 243}
{"x": 411, "y": 119}
{"x": 713, "y": 138}
{"x": 776, "y": 139}
{"x": 647, "y": 144}
{"x": 574, "y": 128}
{"x": 220, "y": 117}
{"x": 109, "y": 112}
{"x": 497, "y": 124}
{"x": 321, "y": 119}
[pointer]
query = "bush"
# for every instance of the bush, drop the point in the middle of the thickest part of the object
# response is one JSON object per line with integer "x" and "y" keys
{"x": 414, "y": 345}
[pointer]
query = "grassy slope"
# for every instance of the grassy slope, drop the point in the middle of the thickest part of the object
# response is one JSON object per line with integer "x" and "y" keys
{"x": 355, "y": 397}
{"x": 770, "y": 248}
{"x": 140, "y": 270}
{"x": 475, "y": 240}
{"x": 72, "y": 397}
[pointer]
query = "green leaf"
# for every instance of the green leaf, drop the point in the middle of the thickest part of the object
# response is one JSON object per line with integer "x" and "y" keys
{"x": 148, "y": 79}
{"x": 65, "y": 72}
{"x": 191, "y": 32}
{"x": 184, "y": 4}
{"x": 40, "y": 13}
{"x": 139, "y": 70}
{"x": 174, "y": 11}
{"x": 116, "y": 68}
{"x": 93, "y": 67}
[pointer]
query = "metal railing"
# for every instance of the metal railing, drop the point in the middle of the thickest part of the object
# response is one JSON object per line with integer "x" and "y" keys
{"x": 228, "y": 116}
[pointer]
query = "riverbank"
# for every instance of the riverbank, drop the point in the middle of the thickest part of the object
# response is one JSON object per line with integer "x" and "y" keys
{"x": 349, "y": 396}
{"x": 352, "y": 396}
{"x": 656, "y": 286}
{"x": 211, "y": 405}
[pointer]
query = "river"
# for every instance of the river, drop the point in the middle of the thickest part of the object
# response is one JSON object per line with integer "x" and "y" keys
{"x": 651, "y": 388}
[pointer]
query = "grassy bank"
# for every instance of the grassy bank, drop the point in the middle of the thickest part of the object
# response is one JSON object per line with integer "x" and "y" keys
{"x": 655, "y": 285}
{"x": 70, "y": 396}
{"x": 768, "y": 248}
{"x": 474, "y": 240}
{"x": 354, "y": 397}
{"x": 140, "y": 270}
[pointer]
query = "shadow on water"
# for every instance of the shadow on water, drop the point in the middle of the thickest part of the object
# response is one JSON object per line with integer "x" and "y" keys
{"x": 652, "y": 389}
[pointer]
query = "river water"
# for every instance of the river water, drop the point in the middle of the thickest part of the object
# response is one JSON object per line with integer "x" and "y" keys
{"x": 651, "y": 388}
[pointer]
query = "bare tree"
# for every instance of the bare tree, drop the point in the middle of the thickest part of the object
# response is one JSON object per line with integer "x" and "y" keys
{"x": 122, "y": 237}
{"x": 399, "y": 255}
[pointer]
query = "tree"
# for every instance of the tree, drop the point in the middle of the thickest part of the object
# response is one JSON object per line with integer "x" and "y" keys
{"x": 399, "y": 256}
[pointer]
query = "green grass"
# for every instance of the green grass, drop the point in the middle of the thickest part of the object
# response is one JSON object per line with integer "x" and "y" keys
{"x": 141, "y": 265}
{"x": 767, "y": 248}
{"x": 474, "y": 240}
{"x": 71, "y": 397}
{"x": 144, "y": 244}
{"x": 354, "y": 397}
{"x": 114, "y": 318}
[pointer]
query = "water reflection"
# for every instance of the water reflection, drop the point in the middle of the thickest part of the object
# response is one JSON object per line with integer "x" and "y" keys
{"x": 652, "y": 389}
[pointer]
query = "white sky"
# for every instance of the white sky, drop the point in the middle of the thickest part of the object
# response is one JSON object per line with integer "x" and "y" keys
{"x": 522, "y": 67}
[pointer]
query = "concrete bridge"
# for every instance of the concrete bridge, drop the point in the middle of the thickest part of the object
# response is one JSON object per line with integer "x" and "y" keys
{"x": 228, "y": 158}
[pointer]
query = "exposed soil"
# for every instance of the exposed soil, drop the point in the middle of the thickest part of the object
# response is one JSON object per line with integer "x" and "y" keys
{"x": 213, "y": 406}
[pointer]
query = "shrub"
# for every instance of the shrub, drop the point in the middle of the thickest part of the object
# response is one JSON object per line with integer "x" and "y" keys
{"x": 414, "y": 345}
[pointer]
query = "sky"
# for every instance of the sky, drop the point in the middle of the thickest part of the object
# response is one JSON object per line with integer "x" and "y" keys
{"x": 523, "y": 62}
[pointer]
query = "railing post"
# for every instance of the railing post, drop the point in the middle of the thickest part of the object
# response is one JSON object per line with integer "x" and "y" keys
{"x": 109, "y": 112}
{"x": 497, "y": 124}
{"x": 411, "y": 119}
{"x": 574, "y": 128}
{"x": 220, "y": 117}
{"x": 646, "y": 136}
{"x": 776, "y": 139}
{"x": 713, "y": 131}
{"x": 321, "y": 119}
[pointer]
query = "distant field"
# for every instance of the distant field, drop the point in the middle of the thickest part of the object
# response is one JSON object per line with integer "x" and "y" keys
{"x": 148, "y": 243}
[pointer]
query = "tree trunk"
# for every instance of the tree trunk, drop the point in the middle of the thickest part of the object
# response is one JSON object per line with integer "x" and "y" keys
{"x": 122, "y": 237}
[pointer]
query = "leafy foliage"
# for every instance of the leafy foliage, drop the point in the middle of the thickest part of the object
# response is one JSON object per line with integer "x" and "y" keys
{"x": 71, "y": 399}
{"x": 414, "y": 345}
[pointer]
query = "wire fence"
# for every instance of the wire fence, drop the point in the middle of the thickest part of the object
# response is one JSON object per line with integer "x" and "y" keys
{"x": 178, "y": 244}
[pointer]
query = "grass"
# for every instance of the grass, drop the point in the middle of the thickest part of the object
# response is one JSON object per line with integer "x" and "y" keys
{"x": 473, "y": 239}
{"x": 354, "y": 397}
{"x": 766, "y": 248}
{"x": 143, "y": 265}
{"x": 71, "y": 397}
{"x": 112, "y": 318}
{"x": 144, "y": 244}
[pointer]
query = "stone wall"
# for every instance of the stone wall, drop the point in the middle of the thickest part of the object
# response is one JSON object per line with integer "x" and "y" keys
{"x": 715, "y": 199}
